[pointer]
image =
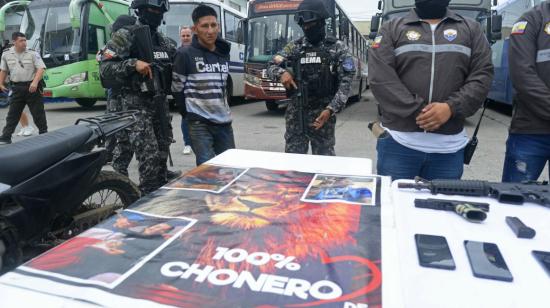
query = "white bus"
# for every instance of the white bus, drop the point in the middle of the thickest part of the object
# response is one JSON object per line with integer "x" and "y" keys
{"x": 230, "y": 27}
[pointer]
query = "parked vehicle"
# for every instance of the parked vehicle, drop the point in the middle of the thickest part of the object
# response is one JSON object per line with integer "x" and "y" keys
{"x": 52, "y": 186}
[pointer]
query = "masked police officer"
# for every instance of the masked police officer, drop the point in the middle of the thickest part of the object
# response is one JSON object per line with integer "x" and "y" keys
{"x": 429, "y": 70}
{"x": 528, "y": 145}
{"x": 119, "y": 62}
{"x": 326, "y": 69}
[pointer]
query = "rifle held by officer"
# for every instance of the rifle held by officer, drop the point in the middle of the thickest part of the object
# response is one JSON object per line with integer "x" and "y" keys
{"x": 145, "y": 52}
{"x": 471, "y": 211}
{"x": 300, "y": 94}
{"x": 509, "y": 193}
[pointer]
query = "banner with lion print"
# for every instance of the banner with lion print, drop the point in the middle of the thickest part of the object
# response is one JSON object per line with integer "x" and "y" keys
{"x": 227, "y": 237}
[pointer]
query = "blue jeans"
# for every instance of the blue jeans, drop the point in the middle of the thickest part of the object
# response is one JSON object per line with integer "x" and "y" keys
{"x": 185, "y": 131}
{"x": 526, "y": 156}
{"x": 400, "y": 162}
{"x": 209, "y": 140}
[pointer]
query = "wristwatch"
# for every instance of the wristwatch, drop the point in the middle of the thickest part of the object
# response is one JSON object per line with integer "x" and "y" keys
{"x": 330, "y": 110}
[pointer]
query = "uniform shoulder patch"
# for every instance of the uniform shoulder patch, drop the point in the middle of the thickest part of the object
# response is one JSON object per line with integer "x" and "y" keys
{"x": 348, "y": 65}
{"x": 547, "y": 28}
{"x": 519, "y": 28}
{"x": 376, "y": 43}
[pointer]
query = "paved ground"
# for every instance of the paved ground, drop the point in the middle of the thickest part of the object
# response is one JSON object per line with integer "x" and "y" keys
{"x": 257, "y": 129}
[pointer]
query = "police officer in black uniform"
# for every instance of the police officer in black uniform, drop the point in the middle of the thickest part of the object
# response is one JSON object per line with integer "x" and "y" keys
{"x": 120, "y": 64}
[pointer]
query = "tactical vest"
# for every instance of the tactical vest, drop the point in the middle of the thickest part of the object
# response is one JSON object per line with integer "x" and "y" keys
{"x": 163, "y": 57}
{"x": 319, "y": 70}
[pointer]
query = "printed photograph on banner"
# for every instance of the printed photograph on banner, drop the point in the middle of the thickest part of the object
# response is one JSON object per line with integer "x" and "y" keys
{"x": 212, "y": 178}
{"x": 107, "y": 254}
{"x": 348, "y": 189}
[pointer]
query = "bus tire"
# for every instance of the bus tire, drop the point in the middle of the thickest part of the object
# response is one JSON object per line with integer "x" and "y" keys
{"x": 86, "y": 102}
{"x": 272, "y": 105}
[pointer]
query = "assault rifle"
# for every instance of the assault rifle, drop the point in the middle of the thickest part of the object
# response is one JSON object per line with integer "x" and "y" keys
{"x": 301, "y": 94}
{"x": 157, "y": 84}
{"x": 509, "y": 193}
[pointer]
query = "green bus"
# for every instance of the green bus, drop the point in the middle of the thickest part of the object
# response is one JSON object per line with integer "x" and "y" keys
{"x": 11, "y": 14}
{"x": 68, "y": 35}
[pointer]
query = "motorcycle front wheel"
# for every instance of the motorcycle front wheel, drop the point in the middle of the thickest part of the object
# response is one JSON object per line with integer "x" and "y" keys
{"x": 110, "y": 192}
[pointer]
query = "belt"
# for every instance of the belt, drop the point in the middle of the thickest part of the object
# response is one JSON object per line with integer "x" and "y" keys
{"x": 21, "y": 83}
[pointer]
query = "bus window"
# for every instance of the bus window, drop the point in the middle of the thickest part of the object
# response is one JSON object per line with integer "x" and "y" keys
{"x": 232, "y": 26}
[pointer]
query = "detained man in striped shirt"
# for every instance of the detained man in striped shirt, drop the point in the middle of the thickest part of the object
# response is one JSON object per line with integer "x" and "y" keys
{"x": 200, "y": 74}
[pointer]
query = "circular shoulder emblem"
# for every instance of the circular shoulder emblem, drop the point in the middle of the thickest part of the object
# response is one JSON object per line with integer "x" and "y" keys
{"x": 413, "y": 35}
{"x": 450, "y": 34}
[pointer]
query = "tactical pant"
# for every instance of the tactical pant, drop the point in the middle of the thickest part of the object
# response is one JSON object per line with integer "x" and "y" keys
{"x": 297, "y": 138}
{"x": 118, "y": 146}
{"x": 19, "y": 98}
{"x": 150, "y": 146}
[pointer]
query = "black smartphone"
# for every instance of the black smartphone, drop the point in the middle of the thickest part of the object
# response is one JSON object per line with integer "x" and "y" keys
{"x": 433, "y": 251}
{"x": 544, "y": 259}
{"x": 486, "y": 261}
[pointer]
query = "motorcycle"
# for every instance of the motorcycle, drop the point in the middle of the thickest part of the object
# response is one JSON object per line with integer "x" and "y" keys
{"x": 52, "y": 186}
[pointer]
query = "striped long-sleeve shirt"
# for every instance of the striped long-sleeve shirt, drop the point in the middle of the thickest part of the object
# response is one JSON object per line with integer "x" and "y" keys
{"x": 201, "y": 76}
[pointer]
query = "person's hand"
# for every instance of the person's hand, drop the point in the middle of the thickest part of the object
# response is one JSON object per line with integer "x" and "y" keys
{"x": 288, "y": 81}
{"x": 433, "y": 116}
{"x": 3, "y": 88}
{"x": 321, "y": 119}
{"x": 144, "y": 69}
{"x": 33, "y": 87}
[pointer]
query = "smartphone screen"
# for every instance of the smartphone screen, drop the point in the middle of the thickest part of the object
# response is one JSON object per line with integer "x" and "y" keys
{"x": 486, "y": 261}
{"x": 433, "y": 251}
{"x": 544, "y": 259}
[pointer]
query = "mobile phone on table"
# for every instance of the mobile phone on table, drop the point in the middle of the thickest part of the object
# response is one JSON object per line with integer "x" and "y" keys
{"x": 433, "y": 251}
{"x": 487, "y": 261}
{"x": 544, "y": 259}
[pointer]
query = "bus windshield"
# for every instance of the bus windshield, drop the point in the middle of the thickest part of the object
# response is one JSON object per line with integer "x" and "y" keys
{"x": 180, "y": 15}
{"x": 51, "y": 20}
{"x": 269, "y": 34}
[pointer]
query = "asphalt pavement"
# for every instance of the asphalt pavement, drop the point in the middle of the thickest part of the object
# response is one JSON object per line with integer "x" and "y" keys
{"x": 256, "y": 128}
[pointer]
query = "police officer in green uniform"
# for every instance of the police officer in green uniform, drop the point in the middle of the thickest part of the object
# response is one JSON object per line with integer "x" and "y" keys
{"x": 327, "y": 67}
{"x": 25, "y": 68}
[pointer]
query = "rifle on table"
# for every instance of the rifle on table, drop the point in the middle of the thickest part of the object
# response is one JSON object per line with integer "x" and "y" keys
{"x": 509, "y": 193}
{"x": 145, "y": 51}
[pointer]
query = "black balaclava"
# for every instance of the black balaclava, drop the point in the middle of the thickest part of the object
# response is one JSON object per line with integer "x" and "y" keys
{"x": 316, "y": 32}
{"x": 431, "y": 9}
{"x": 149, "y": 18}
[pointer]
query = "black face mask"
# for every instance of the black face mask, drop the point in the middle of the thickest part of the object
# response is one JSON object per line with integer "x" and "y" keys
{"x": 151, "y": 19}
{"x": 431, "y": 9}
{"x": 315, "y": 33}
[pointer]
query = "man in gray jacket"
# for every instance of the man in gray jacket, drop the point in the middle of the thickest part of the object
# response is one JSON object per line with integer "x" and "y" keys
{"x": 528, "y": 145}
{"x": 428, "y": 70}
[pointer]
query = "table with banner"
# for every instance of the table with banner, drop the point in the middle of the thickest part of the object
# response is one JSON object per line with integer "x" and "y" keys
{"x": 247, "y": 229}
{"x": 260, "y": 229}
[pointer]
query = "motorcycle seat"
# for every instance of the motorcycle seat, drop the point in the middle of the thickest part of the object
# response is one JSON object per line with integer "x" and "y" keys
{"x": 22, "y": 160}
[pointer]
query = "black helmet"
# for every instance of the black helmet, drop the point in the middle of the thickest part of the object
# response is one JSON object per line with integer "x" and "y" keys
{"x": 310, "y": 10}
{"x": 163, "y": 5}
